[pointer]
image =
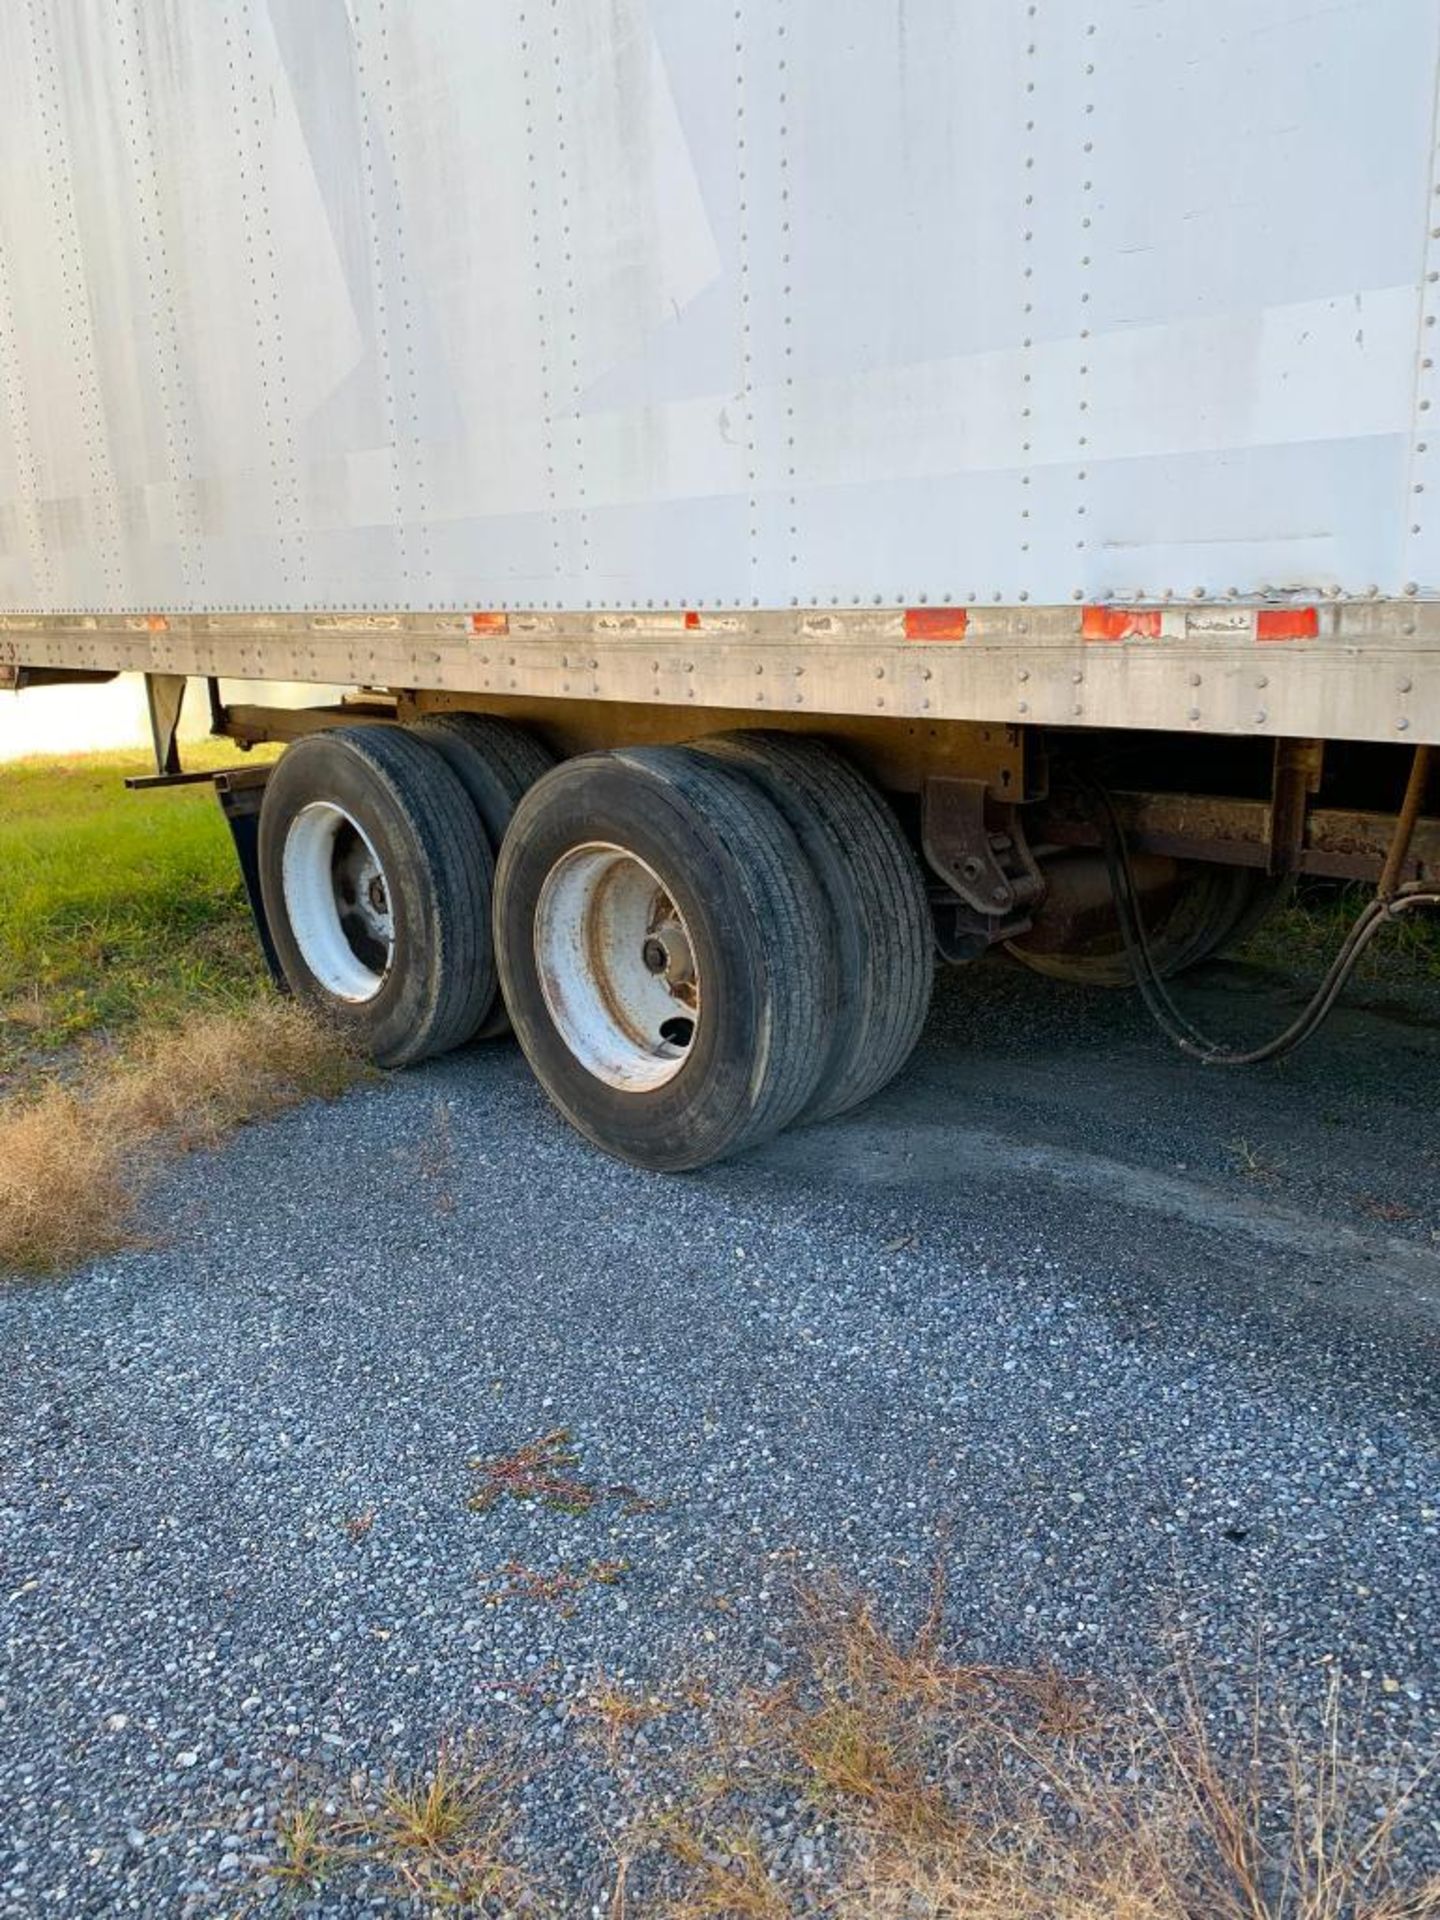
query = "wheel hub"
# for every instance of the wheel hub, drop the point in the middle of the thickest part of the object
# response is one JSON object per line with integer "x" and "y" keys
{"x": 617, "y": 967}
{"x": 667, "y": 954}
{"x": 337, "y": 902}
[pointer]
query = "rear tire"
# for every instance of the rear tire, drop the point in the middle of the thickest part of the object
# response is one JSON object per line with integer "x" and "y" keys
{"x": 377, "y": 888}
{"x": 880, "y": 911}
{"x": 497, "y": 763}
{"x": 665, "y": 953}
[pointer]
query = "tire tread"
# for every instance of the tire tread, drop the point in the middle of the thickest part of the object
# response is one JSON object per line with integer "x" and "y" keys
{"x": 789, "y": 912}
{"x": 877, "y": 895}
{"x": 437, "y": 816}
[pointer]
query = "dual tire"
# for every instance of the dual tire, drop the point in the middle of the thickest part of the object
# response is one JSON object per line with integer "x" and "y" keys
{"x": 378, "y": 891}
{"x": 782, "y": 929}
{"x": 696, "y": 945}
{"x": 377, "y": 868}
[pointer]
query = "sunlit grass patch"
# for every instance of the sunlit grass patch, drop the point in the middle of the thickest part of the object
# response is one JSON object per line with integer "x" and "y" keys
{"x": 76, "y": 1156}
{"x": 122, "y": 910}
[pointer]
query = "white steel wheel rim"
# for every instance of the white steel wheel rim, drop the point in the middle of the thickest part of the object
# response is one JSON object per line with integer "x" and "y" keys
{"x": 338, "y": 902}
{"x": 617, "y": 967}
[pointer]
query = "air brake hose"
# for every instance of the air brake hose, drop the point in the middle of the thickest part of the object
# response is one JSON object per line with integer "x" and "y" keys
{"x": 1377, "y": 913}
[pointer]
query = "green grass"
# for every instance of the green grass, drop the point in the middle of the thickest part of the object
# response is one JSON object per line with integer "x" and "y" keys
{"x": 121, "y": 910}
{"x": 1303, "y": 937}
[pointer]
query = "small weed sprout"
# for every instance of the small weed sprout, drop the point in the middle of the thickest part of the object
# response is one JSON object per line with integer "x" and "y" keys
{"x": 560, "y": 1588}
{"x": 546, "y": 1471}
{"x": 308, "y": 1848}
{"x": 543, "y": 1470}
{"x": 1252, "y": 1162}
{"x": 615, "y": 1711}
{"x": 441, "y": 1836}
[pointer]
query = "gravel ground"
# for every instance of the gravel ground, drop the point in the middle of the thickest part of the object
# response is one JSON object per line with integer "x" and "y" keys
{"x": 1143, "y": 1350}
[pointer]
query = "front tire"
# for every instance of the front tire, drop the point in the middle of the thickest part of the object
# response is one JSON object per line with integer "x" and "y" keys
{"x": 377, "y": 886}
{"x": 665, "y": 953}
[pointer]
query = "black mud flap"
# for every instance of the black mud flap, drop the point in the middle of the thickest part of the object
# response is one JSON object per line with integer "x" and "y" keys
{"x": 240, "y": 793}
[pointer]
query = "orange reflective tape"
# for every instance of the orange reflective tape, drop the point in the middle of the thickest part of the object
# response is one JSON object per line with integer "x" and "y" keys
{"x": 157, "y": 623}
{"x": 1287, "y": 623}
{"x": 489, "y": 623}
{"x": 936, "y": 623}
{"x": 692, "y": 620}
{"x": 1120, "y": 623}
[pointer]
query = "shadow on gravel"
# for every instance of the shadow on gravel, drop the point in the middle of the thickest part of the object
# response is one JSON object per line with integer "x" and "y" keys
{"x": 1060, "y": 1114}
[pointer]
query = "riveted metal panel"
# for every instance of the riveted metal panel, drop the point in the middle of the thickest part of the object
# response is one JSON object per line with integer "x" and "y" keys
{"x": 1353, "y": 671}
{"x": 309, "y": 305}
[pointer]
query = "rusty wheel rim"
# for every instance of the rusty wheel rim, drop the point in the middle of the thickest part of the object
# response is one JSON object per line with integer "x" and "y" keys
{"x": 617, "y": 967}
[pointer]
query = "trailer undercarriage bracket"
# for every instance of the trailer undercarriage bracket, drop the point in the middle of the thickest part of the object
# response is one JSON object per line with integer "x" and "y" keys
{"x": 1299, "y": 766}
{"x": 977, "y": 847}
{"x": 165, "y": 702}
{"x": 1341, "y": 843}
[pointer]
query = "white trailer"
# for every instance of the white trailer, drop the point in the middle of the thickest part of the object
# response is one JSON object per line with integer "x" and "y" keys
{"x": 1017, "y": 409}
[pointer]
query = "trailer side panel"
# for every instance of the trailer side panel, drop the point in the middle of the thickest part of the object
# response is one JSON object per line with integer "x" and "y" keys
{"x": 308, "y": 306}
